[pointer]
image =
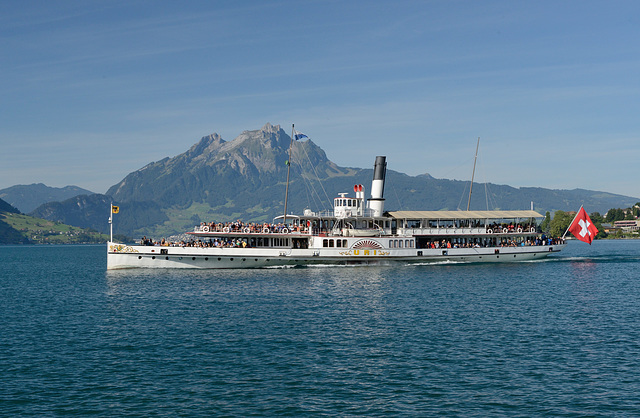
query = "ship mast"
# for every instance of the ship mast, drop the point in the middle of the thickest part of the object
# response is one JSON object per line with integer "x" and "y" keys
{"x": 286, "y": 190}
{"x": 473, "y": 174}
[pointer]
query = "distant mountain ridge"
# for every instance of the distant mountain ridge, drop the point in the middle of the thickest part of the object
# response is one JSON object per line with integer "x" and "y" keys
{"x": 245, "y": 179}
{"x": 28, "y": 197}
{"x": 92, "y": 211}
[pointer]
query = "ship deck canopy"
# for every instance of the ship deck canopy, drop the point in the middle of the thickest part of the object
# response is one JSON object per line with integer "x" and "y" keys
{"x": 464, "y": 214}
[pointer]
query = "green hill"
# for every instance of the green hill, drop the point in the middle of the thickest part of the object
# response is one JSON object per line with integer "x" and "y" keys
{"x": 16, "y": 228}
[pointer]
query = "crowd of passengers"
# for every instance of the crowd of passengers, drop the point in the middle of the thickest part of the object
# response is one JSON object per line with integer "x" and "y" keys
{"x": 511, "y": 227}
{"x": 251, "y": 227}
{"x": 217, "y": 242}
{"x": 503, "y": 243}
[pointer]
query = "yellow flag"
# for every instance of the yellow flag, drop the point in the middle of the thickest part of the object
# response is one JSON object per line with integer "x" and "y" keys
{"x": 115, "y": 209}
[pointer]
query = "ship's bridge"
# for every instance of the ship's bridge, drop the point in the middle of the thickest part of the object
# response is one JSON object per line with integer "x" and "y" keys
{"x": 349, "y": 207}
{"x": 345, "y": 207}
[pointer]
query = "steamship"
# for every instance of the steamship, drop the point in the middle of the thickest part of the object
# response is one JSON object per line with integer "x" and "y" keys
{"x": 357, "y": 231}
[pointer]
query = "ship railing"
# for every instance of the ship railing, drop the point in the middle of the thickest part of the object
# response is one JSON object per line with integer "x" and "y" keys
{"x": 353, "y": 213}
{"x": 324, "y": 214}
{"x": 275, "y": 230}
{"x": 462, "y": 231}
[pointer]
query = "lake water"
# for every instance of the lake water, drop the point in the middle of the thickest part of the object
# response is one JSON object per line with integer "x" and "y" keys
{"x": 557, "y": 337}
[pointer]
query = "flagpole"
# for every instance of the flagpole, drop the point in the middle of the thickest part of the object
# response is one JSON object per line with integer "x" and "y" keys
{"x": 111, "y": 223}
{"x": 571, "y": 223}
{"x": 286, "y": 190}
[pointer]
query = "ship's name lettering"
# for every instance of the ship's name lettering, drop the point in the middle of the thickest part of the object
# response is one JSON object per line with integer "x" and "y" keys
{"x": 364, "y": 252}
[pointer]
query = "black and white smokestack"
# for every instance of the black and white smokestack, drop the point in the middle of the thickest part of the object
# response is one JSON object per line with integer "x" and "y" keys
{"x": 376, "y": 203}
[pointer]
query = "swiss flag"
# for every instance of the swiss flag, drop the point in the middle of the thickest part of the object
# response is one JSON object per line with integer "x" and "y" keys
{"x": 582, "y": 227}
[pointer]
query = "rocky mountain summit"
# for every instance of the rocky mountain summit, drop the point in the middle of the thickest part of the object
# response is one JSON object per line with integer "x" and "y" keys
{"x": 215, "y": 172}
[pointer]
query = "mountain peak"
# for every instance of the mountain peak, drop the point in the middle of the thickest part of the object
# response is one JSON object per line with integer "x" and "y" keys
{"x": 269, "y": 136}
{"x": 270, "y": 128}
{"x": 207, "y": 145}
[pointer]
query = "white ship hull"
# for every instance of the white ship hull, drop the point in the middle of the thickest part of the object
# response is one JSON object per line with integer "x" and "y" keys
{"x": 138, "y": 256}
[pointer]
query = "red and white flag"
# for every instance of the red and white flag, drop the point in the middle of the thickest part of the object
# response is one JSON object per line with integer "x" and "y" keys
{"x": 582, "y": 227}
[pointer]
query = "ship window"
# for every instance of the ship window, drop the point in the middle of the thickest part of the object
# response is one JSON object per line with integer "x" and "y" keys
{"x": 339, "y": 243}
{"x": 390, "y": 243}
{"x": 344, "y": 243}
{"x": 331, "y": 243}
{"x": 400, "y": 246}
{"x": 325, "y": 242}
{"x": 406, "y": 244}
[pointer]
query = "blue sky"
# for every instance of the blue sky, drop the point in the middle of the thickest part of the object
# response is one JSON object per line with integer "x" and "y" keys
{"x": 94, "y": 90}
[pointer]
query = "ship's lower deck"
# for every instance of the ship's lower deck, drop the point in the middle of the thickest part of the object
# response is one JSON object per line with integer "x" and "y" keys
{"x": 138, "y": 256}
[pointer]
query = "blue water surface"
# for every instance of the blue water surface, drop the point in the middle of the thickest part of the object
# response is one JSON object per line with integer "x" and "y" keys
{"x": 557, "y": 337}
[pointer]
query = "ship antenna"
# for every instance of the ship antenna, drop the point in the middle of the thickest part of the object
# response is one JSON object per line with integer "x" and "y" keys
{"x": 473, "y": 174}
{"x": 286, "y": 190}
